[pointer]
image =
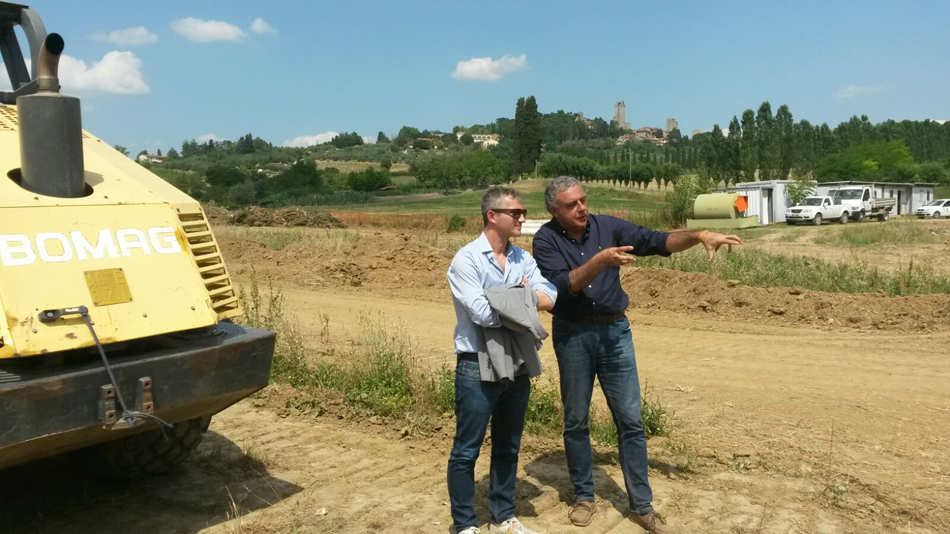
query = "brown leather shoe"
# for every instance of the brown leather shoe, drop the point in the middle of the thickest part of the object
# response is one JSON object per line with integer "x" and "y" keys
{"x": 582, "y": 513}
{"x": 653, "y": 523}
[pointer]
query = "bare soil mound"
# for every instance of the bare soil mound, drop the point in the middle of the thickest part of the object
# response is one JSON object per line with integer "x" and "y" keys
{"x": 703, "y": 294}
{"x": 283, "y": 217}
{"x": 391, "y": 263}
{"x": 402, "y": 265}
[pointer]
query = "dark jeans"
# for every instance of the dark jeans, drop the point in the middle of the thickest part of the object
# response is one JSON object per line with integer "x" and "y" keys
{"x": 505, "y": 403}
{"x": 583, "y": 351}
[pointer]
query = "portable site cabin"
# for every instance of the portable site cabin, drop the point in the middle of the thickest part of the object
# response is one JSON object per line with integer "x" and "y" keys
{"x": 909, "y": 196}
{"x": 767, "y": 200}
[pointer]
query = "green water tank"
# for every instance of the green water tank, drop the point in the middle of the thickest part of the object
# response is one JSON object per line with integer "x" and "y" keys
{"x": 716, "y": 206}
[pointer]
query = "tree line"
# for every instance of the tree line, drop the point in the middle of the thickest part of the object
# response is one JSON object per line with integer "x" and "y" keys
{"x": 763, "y": 146}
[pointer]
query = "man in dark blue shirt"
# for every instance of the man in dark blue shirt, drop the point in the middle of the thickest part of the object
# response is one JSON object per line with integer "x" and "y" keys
{"x": 581, "y": 255}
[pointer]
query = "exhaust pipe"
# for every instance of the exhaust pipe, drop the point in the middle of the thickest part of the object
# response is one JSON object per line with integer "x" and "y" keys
{"x": 50, "y": 127}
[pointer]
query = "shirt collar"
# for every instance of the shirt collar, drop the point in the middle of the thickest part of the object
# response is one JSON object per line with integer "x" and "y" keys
{"x": 485, "y": 247}
{"x": 560, "y": 229}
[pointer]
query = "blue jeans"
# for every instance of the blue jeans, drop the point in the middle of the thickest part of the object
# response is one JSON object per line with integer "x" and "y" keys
{"x": 505, "y": 404}
{"x": 583, "y": 351}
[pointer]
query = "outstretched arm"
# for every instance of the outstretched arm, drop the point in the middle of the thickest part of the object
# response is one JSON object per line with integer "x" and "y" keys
{"x": 680, "y": 241}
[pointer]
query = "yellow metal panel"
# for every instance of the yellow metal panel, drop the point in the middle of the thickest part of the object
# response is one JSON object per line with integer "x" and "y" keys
{"x": 6, "y": 342}
{"x": 42, "y": 267}
{"x": 108, "y": 287}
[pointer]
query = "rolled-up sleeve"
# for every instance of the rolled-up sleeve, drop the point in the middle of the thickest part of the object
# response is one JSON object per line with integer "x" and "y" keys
{"x": 551, "y": 264}
{"x": 645, "y": 242}
{"x": 536, "y": 280}
{"x": 467, "y": 289}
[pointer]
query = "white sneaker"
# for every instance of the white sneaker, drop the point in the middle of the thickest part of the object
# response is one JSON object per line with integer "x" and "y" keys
{"x": 510, "y": 526}
{"x": 470, "y": 530}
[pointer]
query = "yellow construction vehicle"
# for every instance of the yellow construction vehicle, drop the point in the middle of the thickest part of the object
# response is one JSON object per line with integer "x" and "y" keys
{"x": 115, "y": 302}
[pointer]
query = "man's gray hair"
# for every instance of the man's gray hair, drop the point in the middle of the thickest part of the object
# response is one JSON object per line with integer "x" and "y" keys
{"x": 494, "y": 197}
{"x": 555, "y": 186}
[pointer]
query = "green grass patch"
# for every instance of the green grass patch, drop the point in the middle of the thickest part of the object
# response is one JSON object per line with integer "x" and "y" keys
{"x": 898, "y": 233}
{"x": 657, "y": 419}
{"x": 381, "y": 377}
{"x": 468, "y": 203}
{"x": 760, "y": 269}
{"x": 544, "y": 416}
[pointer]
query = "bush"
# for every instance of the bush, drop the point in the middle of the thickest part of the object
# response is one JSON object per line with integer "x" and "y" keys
{"x": 242, "y": 194}
{"x": 681, "y": 199}
{"x": 224, "y": 176}
{"x": 368, "y": 180}
{"x": 802, "y": 188}
{"x": 302, "y": 177}
{"x": 455, "y": 223}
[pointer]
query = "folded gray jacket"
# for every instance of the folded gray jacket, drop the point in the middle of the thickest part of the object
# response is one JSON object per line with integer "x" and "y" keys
{"x": 512, "y": 350}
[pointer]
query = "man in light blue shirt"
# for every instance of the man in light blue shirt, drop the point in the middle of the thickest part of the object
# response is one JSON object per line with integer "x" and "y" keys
{"x": 489, "y": 261}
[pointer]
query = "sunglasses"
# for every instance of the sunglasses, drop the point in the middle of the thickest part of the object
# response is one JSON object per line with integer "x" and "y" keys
{"x": 515, "y": 214}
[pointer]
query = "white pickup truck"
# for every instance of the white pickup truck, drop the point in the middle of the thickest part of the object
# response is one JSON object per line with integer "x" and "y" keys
{"x": 861, "y": 202}
{"x": 814, "y": 210}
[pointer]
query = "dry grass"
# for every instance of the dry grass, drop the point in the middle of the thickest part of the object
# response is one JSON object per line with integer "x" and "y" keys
{"x": 331, "y": 240}
{"x": 897, "y": 233}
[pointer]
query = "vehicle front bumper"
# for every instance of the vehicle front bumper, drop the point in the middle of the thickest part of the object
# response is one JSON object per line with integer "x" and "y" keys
{"x": 49, "y": 410}
{"x": 799, "y": 217}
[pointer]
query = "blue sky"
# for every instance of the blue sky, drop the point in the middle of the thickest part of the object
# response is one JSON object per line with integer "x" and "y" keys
{"x": 315, "y": 67}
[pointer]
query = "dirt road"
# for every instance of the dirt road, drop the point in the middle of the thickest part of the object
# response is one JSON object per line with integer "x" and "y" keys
{"x": 783, "y": 423}
{"x": 772, "y": 393}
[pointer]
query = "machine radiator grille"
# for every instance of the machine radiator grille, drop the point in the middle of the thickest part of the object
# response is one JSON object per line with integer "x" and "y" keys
{"x": 204, "y": 250}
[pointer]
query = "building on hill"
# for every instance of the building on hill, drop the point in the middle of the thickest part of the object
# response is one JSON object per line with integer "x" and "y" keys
{"x": 645, "y": 134}
{"x": 579, "y": 117}
{"x": 485, "y": 140}
{"x": 671, "y": 125}
{"x": 150, "y": 158}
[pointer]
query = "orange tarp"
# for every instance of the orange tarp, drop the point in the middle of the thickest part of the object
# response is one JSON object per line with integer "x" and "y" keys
{"x": 742, "y": 203}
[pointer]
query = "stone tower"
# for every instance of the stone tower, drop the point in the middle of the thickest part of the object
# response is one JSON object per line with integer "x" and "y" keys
{"x": 620, "y": 115}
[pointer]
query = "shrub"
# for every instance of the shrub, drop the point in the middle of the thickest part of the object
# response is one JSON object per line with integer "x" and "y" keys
{"x": 455, "y": 223}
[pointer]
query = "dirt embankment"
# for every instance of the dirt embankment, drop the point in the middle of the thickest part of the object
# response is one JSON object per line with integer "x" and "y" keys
{"x": 703, "y": 294}
{"x": 397, "y": 264}
{"x": 266, "y": 217}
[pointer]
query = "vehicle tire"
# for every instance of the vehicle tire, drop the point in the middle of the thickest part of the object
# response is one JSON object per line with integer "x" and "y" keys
{"x": 860, "y": 217}
{"x": 149, "y": 453}
{"x": 844, "y": 218}
{"x": 936, "y": 215}
{"x": 817, "y": 220}
{"x": 884, "y": 216}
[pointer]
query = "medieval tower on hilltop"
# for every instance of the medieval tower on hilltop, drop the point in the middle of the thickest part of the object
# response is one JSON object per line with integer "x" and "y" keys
{"x": 620, "y": 115}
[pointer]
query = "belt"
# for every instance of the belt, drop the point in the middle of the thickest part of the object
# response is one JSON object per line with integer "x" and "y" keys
{"x": 468, "y": 356}
{"x": 599, "y": 318}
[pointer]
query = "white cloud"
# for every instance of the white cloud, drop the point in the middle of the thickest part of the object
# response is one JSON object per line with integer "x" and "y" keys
{"x": 369, "y": 140}
{"x": 209, "y": 137}
{"x": 136, "y": 35}
{"x": 259, "y": 26}
{"x": 852, "y": 91}
{"x": 206, "y": 31}
{"x": 486, "y": 69}
{"x": 303, "y": 141}
{"x": 116, "y": 73}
